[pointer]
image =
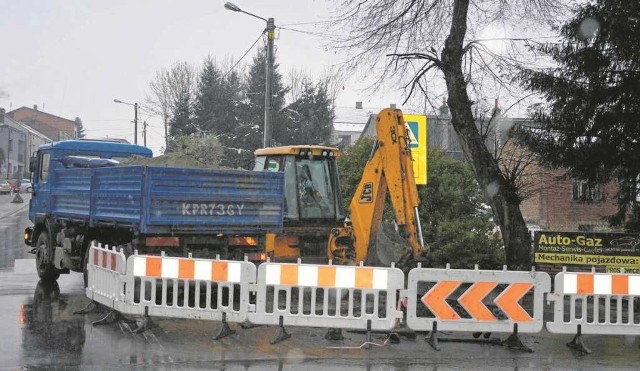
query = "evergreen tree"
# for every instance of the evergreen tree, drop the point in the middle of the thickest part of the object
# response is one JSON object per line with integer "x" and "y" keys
{"x": 456, "y": 223}
{"x": 590, "y": 123}
{"x": 216, "y": 101}
{"x": 80, "y": 133}
{"x": 251, "y": 129}
{"x": 309, "y": 119}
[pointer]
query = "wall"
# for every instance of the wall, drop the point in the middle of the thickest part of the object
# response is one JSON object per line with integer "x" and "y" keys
{"x": 54, "y": 127}
{"x": 554, "y": 207}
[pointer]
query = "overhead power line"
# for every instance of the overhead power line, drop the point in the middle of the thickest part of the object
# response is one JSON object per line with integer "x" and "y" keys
{"x": 243, "y": 55}
{"x": 304, "y": 23}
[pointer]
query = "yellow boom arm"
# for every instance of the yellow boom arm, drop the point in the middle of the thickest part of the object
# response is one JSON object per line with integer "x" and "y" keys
{"x": 388, "y": 169}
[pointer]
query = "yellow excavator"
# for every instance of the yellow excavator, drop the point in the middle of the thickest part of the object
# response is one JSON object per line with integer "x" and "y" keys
{"x": 315, "y": 226}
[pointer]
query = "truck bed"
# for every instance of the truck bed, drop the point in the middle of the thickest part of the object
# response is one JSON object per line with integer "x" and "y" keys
{"x": 164, "y": 200}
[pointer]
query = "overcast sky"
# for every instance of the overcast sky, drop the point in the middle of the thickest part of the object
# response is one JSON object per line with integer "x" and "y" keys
{"x": 73, "y": 57}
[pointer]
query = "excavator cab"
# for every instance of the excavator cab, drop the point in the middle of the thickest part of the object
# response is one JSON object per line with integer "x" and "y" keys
{"x": 313, "y": 204}
{"x": 312, "y": 191}
{"x": 314, "y": 221}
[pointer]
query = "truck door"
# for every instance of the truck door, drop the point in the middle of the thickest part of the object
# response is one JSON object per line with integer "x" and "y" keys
{"x": 40, "y": 200}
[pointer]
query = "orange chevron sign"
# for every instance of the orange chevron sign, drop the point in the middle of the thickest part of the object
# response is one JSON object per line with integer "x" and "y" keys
{"x": 508, "y": 302}
{"x": 435, "y": 299}
{"x": 471, "y": 300}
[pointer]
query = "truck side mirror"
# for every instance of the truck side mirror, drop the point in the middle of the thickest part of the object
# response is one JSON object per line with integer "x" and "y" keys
{"x": 32, "y": 164}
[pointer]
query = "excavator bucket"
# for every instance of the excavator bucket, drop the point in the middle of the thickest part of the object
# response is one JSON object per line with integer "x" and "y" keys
{"x": 388, "y": 247}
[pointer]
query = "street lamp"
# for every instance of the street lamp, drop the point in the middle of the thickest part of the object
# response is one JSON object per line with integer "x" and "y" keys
{"x": 135, "y": 118}
{"x": 270, "y": 30}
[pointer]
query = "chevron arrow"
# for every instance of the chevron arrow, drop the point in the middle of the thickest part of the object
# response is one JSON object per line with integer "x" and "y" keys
{"x": 471, "y": 300}
{"x": 508, "y": 302}
{"x": 434, "y": 299}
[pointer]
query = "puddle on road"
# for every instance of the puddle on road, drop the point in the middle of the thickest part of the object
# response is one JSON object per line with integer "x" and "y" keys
{"x": 51, "y": 334}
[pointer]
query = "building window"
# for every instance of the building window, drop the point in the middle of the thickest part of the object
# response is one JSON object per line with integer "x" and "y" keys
{"x": 585, "y": 192}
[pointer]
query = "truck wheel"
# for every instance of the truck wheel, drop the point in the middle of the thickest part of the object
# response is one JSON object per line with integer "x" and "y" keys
{"x": 44, "y": 259}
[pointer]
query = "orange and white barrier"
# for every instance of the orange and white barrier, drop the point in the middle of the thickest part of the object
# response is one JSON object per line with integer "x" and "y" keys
{"x": 327, "y": 276}
{"x": 600, "y": 284}
{"x": 327, "y": 296}
{"x": 105, "y": 273}
{"x": 597, "y": 303}
{"x": 189, "y": 288}
{"x": 187, "y": 269}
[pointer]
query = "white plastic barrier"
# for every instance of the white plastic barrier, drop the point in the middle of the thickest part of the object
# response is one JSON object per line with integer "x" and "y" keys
{"x": 189, "y": 288}
{"x": 595, "y": 303}
{"x": 106, "y": 268}
{"x": 328, "y": 296}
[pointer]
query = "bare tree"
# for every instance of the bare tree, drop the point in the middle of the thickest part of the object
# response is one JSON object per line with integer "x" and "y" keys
{"x": 294, "y": 80}
{"x": 172, "y": 96}
{"x": 419, "y": 40}
{"x": 158, "y": 99}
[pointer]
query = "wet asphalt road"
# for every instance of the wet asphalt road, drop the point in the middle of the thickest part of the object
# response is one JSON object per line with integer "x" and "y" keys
{"x": 39, "y": 331}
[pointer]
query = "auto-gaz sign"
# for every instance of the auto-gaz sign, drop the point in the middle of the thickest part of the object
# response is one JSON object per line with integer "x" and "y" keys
{"x": 611, "y": 250}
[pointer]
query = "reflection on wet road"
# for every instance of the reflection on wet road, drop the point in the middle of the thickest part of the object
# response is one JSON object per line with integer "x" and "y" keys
{"x": 49, "y": 329}
{"x": 40, "y": 331}
{"x": 13, "y": 221}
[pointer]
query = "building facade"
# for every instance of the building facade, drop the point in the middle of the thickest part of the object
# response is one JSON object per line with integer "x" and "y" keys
{"x": 560, "y": 203}
{"x": 52, "y": 126}
{"x": 349, "y": 123}
{"x": 17, "y": 142}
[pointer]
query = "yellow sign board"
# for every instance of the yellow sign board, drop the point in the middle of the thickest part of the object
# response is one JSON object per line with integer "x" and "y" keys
{"x": 418, "y": 135}
{"x": 610, "y": 251}
{"x": 579, "y": 259}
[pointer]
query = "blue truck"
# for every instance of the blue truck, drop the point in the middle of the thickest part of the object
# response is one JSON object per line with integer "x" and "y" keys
{"x": 82, "y": 193}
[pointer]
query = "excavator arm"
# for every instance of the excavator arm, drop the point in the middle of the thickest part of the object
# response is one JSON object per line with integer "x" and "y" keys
{"x": 389, "y": 169}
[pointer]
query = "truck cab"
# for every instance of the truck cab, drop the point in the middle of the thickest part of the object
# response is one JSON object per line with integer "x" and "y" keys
{"x": 45, "y": 166}
{"x": 72, "y": 153}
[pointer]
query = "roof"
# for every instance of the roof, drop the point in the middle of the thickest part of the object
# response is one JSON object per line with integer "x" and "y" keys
{"x": 353, "y": 128}
{"x": 31, "y": 130}
{"x": 40, "y": 113}
{"x": 352, "y": 115}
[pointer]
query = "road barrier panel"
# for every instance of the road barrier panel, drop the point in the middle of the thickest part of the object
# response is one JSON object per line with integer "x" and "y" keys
{"x": 328, "y": 296}
{"x": 459, "y": 300}
{"x": 594, "y": 303}
{"x": 216, "y": 290}
{"x": 105, "y": 270}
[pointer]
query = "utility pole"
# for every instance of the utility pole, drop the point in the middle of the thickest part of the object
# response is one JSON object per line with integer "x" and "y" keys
{"x": 144, "y": 132}
{"x": 135, "y": 123}
{"x": 268, "y": 95}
